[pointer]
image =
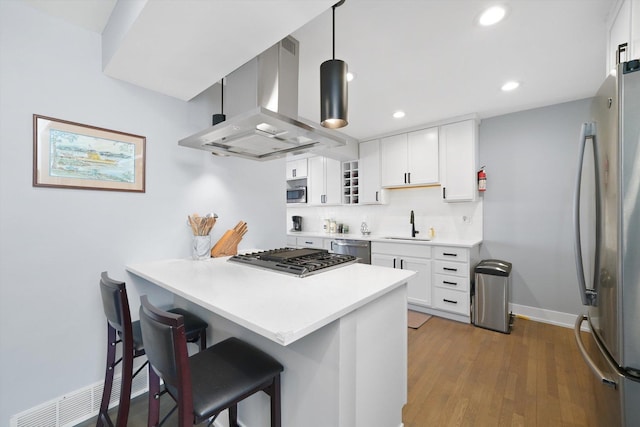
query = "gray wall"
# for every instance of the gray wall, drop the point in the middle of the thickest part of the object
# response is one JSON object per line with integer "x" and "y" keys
{"x": 531, "y": 160}
{"x": 55, "y": 242}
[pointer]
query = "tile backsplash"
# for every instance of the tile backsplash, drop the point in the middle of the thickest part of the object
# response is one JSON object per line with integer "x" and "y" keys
{"x": 462, "y": 220}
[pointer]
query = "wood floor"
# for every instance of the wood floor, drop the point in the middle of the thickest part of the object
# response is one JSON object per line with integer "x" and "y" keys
{"x": 461, "y": 375}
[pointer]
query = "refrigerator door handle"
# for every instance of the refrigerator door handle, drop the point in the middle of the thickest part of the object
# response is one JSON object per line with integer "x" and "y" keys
{"x": 588, "y": 296}
{"x": 594, "y": 368}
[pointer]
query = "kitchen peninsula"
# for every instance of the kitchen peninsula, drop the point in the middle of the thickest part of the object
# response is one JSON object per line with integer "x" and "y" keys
{"x": 341, "y": 334}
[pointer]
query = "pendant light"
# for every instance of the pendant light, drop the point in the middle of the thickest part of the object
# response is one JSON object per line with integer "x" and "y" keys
{"x": 333, "y": 86}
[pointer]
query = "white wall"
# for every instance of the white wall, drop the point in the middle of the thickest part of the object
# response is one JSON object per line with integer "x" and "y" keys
{"x": 55, "y": 242}
{"x": 532, "y": 159}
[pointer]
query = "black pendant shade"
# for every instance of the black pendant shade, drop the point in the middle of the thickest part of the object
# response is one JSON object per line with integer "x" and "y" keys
{"x": 333, "y": 94}
{"x": 333, "y": 86}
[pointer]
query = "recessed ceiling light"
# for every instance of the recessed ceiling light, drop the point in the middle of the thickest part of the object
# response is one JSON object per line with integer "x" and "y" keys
{"x": 508, "y": 86}
{"x": 492, "y": 16}
{"x": 350, "y": 76}
{"x": 398, "y": 114}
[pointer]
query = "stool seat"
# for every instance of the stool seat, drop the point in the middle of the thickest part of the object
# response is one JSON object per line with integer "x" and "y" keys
{"x": 207, "y": 382}
{"x": 237, "y": 368}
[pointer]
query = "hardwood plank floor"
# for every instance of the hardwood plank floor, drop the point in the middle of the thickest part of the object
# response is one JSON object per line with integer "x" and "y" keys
{"x": 461, "y": 375}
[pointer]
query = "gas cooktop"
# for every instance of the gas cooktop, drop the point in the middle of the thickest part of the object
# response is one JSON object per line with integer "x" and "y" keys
{"x": 297, "y": 262}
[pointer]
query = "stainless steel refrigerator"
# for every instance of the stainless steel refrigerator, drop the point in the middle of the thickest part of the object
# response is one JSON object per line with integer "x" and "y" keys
{"x": 609, "y": 269}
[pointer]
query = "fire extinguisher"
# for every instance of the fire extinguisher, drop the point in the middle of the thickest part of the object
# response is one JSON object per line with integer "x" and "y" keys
{"x": 482, "y": 179}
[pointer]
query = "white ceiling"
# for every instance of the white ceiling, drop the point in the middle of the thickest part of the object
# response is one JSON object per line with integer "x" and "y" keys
{"x": 426, "y": 57}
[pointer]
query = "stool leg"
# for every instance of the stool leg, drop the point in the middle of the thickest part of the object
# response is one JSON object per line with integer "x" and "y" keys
{"x": 127, "y": 380}
{"x": 108, "y": 377}
{"x": 274, "y": 392}
{"x": 153, "y": 419}
{"x": 203, "y": 340}
{"x": 233, "y": 416}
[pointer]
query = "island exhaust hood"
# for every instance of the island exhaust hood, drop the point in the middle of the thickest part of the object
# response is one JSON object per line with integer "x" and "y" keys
{"x": 264, "y": 93}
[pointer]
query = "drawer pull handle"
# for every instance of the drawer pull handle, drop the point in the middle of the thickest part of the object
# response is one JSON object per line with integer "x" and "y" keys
{"x": 449, "y": 254}
{"x": 449, "y": 301}
{"x": 449, "y": 283}
{"x": 309, "y": 243}
{"x": 450, "y": 269}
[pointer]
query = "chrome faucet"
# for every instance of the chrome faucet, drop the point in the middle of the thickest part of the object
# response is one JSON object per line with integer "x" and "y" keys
{"x": 413, "y": 225}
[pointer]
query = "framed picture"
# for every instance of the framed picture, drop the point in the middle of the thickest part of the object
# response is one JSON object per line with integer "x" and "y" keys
{"x": 73, "y": 155}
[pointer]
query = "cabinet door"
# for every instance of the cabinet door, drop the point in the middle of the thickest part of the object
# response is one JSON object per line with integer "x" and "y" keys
{"x": 458, "y": 153}
{"x": 383, "y": 260}
{"x": 369, "y": 172}
{"x": 333, "y": 181}
{"x": 419, "y": 287}
{"x": 422, "y": 156}
{"x": 619, "y": 33}
{"x": 315, "y": 180}
{"x": 393, "y": 158}
{"x": 297, "y": 169}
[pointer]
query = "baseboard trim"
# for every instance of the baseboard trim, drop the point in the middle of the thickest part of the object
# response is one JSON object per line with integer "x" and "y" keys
{"x": 558, "y": 318}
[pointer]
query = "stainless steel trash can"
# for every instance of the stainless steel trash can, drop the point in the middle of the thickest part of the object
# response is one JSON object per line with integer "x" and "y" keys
{"x": 491, "y": 295}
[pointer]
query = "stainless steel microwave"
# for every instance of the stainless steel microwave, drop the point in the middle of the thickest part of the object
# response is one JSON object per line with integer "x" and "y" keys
{"x": 297, "y": 195}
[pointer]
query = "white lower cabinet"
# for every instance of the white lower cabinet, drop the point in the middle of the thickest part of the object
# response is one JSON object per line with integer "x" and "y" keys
{"x": 407, "y": 257}
{"x": 443, "y": 284}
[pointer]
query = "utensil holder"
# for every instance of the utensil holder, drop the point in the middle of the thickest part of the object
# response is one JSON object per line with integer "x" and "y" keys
{"x": 201, "y": 247}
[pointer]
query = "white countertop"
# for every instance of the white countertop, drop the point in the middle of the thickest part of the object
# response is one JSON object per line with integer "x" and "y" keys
{"x": 277, "y": 306}
{"x": 437, "y": 241}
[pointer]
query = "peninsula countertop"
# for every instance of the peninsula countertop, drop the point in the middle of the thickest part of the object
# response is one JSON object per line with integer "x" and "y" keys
{"x": 279, "y": 307}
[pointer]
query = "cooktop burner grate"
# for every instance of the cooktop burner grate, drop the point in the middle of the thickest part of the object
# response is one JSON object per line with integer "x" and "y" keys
{"x": 298, "y": 262}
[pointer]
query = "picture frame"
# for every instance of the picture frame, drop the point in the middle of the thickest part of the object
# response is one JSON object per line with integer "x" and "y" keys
{"x": 73, "y": 155}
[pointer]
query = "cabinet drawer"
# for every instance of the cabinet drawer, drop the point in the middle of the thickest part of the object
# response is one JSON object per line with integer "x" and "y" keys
{"x": 310, "y": 242}
{"x": 451, "y": 253}
{"x": 292, "y": 241}
{"x": 451, "y": 300}
{"x": 400, "y": 249}
{"x": 451, "y": 282}
{"x": 451, "y": 268}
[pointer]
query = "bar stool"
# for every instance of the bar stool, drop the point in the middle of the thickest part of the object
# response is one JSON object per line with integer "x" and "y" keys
{"x": 120, "y": 329}
{"x": 208, "y": 382}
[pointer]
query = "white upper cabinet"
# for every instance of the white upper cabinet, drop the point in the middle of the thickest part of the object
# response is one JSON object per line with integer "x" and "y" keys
{"x": 369, "y": 172}
{"x": 410, "y": 159}
{"x": 423, "y": 156}
{"x": 458, "y": 161}
{"x": 297, "y": 169}
{"x": 393, "y": 156}
{"x": 323, "y": 181}
{"x": 624, "y": 29}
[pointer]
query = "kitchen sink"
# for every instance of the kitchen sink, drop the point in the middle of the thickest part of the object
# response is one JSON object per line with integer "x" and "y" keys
{"x": 411, "y": 239}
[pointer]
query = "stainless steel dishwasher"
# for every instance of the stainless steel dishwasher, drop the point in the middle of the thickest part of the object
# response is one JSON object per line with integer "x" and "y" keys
{"x": 357, "y": 248}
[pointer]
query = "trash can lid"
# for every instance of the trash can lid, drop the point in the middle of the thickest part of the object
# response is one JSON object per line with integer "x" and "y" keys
{"x": 494, "y": 267}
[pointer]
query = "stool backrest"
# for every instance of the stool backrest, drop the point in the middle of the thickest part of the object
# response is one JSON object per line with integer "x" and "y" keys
{"x": 165, "y": 343}
{"x": 115, "y": 303}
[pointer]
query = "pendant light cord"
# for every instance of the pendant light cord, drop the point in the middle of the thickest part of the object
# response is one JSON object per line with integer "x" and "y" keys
{"x": 222, "y": 96}
{"x": 333, "y": 32}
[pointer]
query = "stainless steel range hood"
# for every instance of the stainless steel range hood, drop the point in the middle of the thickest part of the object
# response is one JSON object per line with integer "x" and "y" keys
{"x": 264, "y": 93}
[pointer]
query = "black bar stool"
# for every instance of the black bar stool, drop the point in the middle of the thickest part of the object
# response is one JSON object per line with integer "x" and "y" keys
{"x": 208, "y": 382}
{"x": 120, "y": 329}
